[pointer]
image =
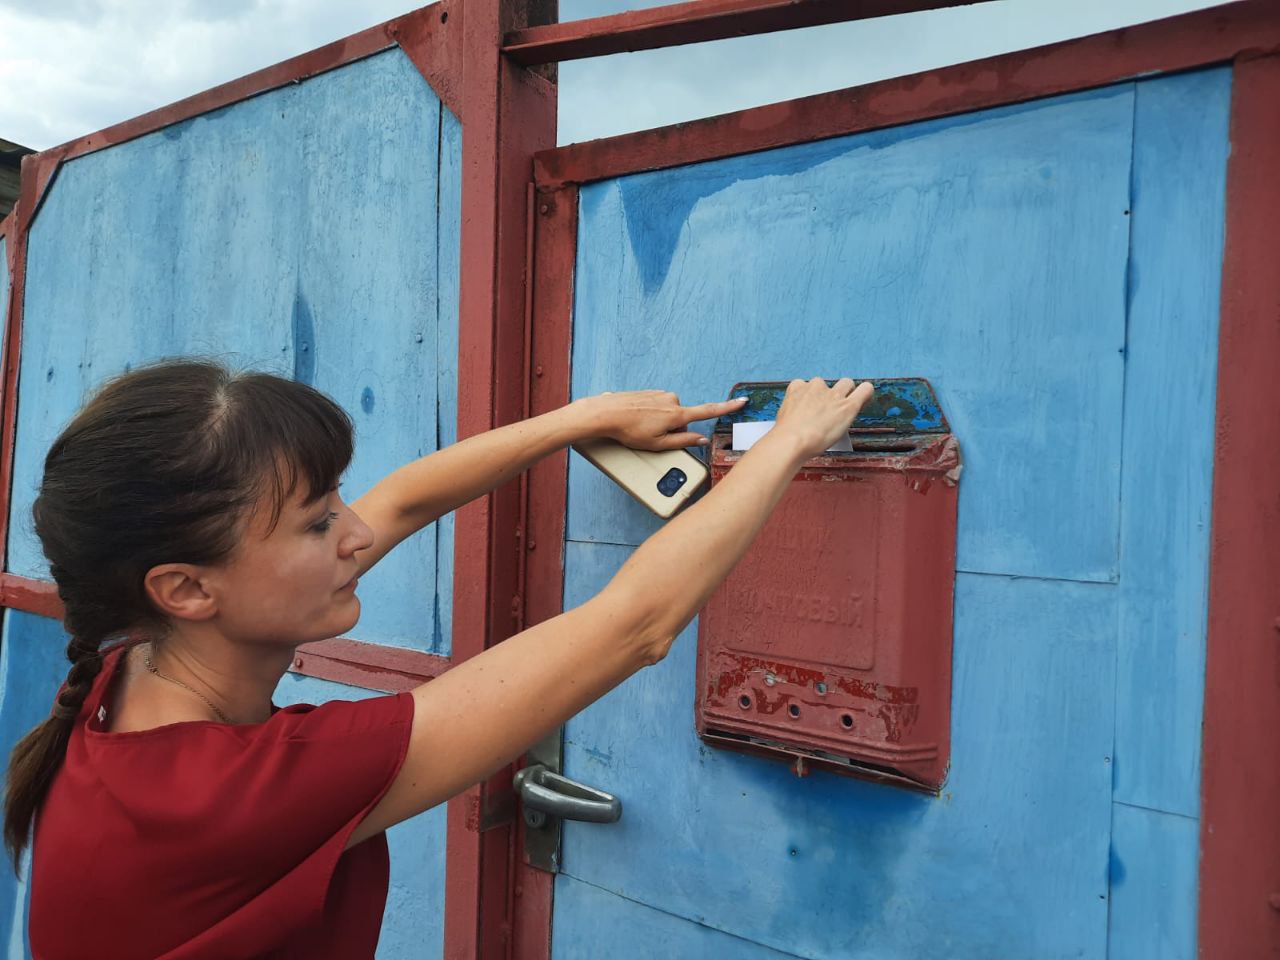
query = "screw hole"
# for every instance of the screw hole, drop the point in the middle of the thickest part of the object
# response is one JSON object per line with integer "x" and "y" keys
{"x": 744, "y": 702}
{"x": 444, "y": 17}
{"x": 794, "y": 710}
{"x": 846, "y": 721}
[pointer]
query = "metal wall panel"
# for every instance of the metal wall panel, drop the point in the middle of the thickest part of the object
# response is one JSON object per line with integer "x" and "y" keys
{"x": 1053, "y": 268}
{"x": 1179, "y": 183}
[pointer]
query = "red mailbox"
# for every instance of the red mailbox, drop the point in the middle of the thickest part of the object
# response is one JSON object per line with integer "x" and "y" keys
{"x": 830, "y": 642}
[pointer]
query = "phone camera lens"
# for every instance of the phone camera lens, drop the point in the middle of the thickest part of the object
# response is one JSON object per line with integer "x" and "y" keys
{"x": 672, "y": 481}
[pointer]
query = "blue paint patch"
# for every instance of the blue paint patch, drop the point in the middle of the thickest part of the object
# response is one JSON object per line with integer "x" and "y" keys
{"x": 304, "y": 340}
{"x": 366, "y": 399}
{"x": 657, "y": 204}
{"x": 1115, "y": 869}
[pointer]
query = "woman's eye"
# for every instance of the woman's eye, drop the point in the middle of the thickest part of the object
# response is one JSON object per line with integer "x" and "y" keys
{"x": 325, "y": 524}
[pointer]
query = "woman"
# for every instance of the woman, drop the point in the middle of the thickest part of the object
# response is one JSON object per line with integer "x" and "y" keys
{"x": 173, "y": 811}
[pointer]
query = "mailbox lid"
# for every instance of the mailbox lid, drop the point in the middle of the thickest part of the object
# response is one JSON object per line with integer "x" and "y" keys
{"x": 901, "y": 428}
{"x": 900, "y": 405}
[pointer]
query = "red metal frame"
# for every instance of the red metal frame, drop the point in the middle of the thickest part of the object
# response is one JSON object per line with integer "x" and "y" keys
{"x": 1240, "y": 769}
{"x": 1240, "y": 870}
{"x": 695, "y": 22}
{"x": 510, "y": 115}
{"x": 555, "y": 213}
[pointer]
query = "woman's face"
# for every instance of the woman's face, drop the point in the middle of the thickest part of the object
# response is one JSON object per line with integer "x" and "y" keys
{"x": 293, "y": 584}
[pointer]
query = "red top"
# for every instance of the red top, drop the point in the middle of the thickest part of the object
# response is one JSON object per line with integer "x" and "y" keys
{"x": 209, "y": 840}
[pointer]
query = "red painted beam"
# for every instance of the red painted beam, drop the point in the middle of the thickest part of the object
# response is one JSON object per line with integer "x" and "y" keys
{"x": 509, "y": 115}
{"x": 20, "y": 222}
{"x": 1217, "y": 35}
{"x": 1240, "y": 764}
{"x": 694, "y": 22}
{"x": 369, "y": 665}
{"x": 32, "y": 596}
{"x": 555, "y": 216}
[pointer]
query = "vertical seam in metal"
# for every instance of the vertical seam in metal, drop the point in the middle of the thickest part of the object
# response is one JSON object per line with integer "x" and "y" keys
{"x": 1119, "y": 555}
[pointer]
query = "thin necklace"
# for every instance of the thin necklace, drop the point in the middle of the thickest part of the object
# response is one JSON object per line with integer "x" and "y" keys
{"x": 146, "y": 659}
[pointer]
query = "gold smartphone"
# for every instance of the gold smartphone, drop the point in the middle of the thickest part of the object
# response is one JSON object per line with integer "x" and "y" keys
{"x": 662, "y": 480}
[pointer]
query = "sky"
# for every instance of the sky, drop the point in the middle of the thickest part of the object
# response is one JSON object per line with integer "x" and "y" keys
{"x": 70, "y": 67}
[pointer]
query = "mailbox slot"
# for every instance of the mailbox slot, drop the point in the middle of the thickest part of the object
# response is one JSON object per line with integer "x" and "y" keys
{"x": 829, "y": 644}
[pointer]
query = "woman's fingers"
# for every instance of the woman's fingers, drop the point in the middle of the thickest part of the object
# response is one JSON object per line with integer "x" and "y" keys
{"x": 678, "y": 441}
{"x": 842, "y": 387}
{"x": 705, "y": 411}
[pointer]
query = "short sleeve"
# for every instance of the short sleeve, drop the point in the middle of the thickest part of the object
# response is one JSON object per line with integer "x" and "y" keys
{"x": 262, "y": 813}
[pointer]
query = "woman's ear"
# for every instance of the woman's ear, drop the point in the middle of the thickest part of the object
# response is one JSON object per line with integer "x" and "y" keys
{"x": 178, "y": 590}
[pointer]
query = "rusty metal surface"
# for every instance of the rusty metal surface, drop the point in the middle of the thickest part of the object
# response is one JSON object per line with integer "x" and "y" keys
{"x": 830, "y": 643}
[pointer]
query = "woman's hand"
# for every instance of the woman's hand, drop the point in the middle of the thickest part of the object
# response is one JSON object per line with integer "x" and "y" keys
{"x": 649, "y": 419}
{"x": 815, "y": 416}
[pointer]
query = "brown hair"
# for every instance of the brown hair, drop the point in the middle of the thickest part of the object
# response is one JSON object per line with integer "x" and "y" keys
{"x": 163, "y": 464}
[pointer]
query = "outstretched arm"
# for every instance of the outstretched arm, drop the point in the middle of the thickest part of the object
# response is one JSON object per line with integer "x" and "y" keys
{"x": 486, "y": 711}
{"x": 423, "y": 491}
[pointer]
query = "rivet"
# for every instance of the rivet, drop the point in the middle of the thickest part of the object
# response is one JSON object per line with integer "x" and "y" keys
{"x": 544, "y": 208}
{"x": 537, "y": 371}
{"x": 297, "y": 662}
{"x": 770, "y": 679}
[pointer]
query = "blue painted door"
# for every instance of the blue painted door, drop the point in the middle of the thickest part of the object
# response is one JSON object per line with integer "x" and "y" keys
{"x": 1053, "y": 269}
{"x": 312, "y": 231}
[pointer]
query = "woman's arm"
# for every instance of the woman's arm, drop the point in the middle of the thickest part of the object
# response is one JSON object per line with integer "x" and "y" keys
{"x": 486, "y": 711}
{"x": 423, "y": 491}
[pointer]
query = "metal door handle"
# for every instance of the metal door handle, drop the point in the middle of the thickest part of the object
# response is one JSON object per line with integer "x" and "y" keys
{"x": 551, "y": 794}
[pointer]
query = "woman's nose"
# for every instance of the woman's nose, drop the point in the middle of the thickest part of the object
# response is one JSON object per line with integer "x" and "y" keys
{"x": 359, "y": 537}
